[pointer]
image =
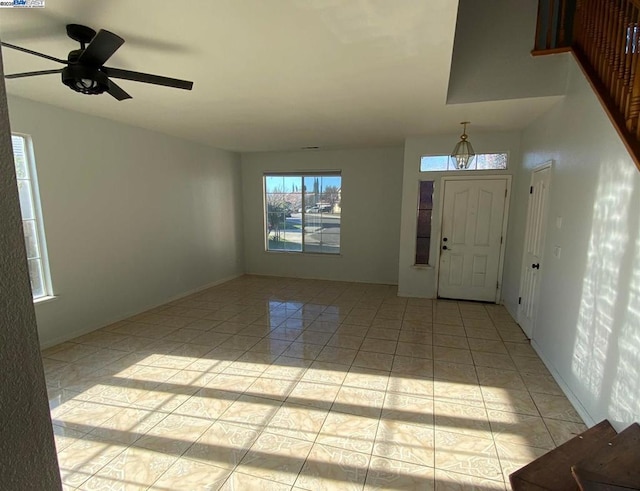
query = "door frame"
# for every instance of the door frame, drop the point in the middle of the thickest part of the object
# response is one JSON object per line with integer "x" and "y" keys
{"x": 505, "y": 221}
{"x": 546, "y": 165}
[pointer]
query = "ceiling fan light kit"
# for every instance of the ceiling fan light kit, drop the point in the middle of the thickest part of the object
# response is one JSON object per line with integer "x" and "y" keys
{"x": 85, "y": 71}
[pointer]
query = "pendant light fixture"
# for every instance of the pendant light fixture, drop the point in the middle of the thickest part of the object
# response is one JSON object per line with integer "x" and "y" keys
{"x": 463, "y": 153}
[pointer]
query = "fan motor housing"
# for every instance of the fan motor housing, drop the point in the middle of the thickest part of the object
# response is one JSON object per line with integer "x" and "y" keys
{"x": 85, "y": 79}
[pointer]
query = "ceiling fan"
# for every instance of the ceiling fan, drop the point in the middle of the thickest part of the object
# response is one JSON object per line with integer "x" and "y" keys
{"x": 85, "y": 71}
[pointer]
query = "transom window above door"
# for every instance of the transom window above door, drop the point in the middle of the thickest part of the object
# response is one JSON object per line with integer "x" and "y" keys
{"x": 302, "y": 212}
{"x": 482, "y": 161}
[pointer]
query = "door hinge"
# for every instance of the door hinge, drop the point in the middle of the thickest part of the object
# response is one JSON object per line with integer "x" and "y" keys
{"x": 505, "y": 192}
{"x": 497, "y": 285}
{"x": 519, "y": 300}
{"x": 531, "y": 190}
{"x": 501, "y": 240}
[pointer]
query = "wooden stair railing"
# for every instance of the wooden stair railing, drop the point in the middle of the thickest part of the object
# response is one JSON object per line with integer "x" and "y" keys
{"x": 604, "y": 37}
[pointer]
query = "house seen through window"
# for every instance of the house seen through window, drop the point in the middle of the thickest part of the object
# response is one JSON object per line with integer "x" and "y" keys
{"x": 31, "y": 216}
{"x": 302, "y": 212}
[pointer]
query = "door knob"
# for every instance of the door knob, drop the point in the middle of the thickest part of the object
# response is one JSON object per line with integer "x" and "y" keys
{"x": 444, "y": 239}
{"x": 445, "y": 248}
{"x": 536, "y": 266}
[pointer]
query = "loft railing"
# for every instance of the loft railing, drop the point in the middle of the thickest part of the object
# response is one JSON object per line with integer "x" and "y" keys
{"x": 604, "y": 37}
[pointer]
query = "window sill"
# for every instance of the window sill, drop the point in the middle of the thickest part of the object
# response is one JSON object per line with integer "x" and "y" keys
{"x": 300, "y": 253}
{"x": 47, "y": 299}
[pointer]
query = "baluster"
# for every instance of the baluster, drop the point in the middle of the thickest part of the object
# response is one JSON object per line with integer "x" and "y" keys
{"x": 619, "y": 60}
{"x": 633, "y": 92}
{"x": 628, "y": 53}
{"x": 603, "y": 62}
{"x": 611, "y": 40}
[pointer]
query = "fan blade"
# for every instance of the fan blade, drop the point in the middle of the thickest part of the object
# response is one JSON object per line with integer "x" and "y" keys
{"x": 117, "y": 92}
{"x": 32, "y": 74}
{"x": 25, "y": 50}
{"x": 100, "y": 48}
{"x": 147, "y": 78}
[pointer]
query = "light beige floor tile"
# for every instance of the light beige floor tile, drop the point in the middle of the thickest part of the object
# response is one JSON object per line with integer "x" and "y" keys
{"x": 207, "y": 403}
{"x": 378, "y": 361}
{"x": 127, "y": 425}
{"x": 555, "y": 407}
{"x": 223, "y": 444}
{"x": 297, "y": 421}
{"x": 563, "y": 431}
{"x": 410, "y": 385}
{"x": 366, "y": 378}
{"x": 493, "y": 360}
{"x": 544, "y": 384}
{"x": 416, "y": 367}
{"x": 452, "y": 481}
{"x": 133, "y": 469}
{"x": 495, "y": 377}
{"x": 405, "y": 408}
{"x": 174, "y": 434}
{"x": 314, "y": 394}
{"x": 512, "y": 457}
{"x": 453, "y": 355}
{"x": 455, "y": 372}
{"x": 468, "y": 455}
{"x": 379, "y": 345}
{"x": 414, "y": 350}
{"x": 348, "y": 431}
{"x": 487, "y": 346}
{"x": 333, "y": 469}
{"x": 80, "y": 460}
{"x": 251, "y": 410}
{"x": 238, "y": 481}
{"x": 450, "y": 341}
{"x": 276, "y": 458}
{"x": 386, "y": 475}
{"x": 190, "y": 475}
{"x": 509, "y": 400}
{"x": 358, "y": 401}
{"x": 460, "y": 418}
{"x": 325, "y": 372}
{"x": 201, "y": 370}
{"x": 271, "y": 388}
{"x": 405, "y": 442}
{"x": 520, "y": 429}
{"x": 458, "y": 393}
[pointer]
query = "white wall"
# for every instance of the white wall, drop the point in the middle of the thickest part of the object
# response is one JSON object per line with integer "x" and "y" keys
{"x": 371, "y": 195}
{"x": 588, "y": 324}
{"x": 420, "y": 281}
{"x": 132, "y": 218}
{"x": 491, "y": 54}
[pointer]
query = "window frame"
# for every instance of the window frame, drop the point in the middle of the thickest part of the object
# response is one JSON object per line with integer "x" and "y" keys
{"x": 473, "y": 169}
{"x": 419, "y": 208}
{"x": 302, "y": 175}
{"x": 31, "y": 181}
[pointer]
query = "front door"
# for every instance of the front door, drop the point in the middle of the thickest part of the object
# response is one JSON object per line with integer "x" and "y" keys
{"x": 473, "y": 220}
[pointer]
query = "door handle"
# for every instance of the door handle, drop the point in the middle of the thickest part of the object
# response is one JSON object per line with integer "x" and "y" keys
{"x": 536, "y": 266}
{"x": 445, "y": 248}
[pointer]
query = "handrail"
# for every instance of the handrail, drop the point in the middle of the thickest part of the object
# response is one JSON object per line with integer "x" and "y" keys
{"x": 605, "y": 41}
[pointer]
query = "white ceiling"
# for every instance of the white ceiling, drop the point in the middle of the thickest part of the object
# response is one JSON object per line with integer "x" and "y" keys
{"x": 268, "y": 74}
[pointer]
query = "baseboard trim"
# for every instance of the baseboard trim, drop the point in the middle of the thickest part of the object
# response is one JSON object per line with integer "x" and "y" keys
{"x": 573, "y": 399}
{"x": 81, "y": 332}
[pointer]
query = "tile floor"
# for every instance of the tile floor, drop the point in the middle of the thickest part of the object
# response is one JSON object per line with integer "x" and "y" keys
{"x": 272, "y": 383}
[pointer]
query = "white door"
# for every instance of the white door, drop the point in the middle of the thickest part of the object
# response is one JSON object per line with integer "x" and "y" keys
{"x": 533, "y": 247}
{"x": 473, "y": 217}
